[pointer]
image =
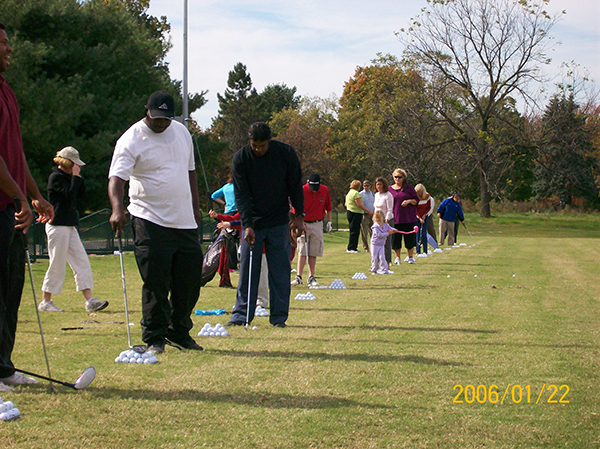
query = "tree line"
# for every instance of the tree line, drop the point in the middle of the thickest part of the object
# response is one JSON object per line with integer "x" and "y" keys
{"x": 445, "y": 110}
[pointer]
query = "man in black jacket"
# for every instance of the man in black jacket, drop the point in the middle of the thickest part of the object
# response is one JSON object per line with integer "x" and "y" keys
{"x": 266, "y": 178}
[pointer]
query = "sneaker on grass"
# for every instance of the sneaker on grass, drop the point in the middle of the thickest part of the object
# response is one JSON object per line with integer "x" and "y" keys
{"x": 188, "y": 344}
{"x": 297, "y": 281}
{"x": 5, "y": 388}
{"x": 93, "y": 305}
{"x": 312, "y": 281}
{"x": 48, "y": 306}
{"x": 18, "y": 379}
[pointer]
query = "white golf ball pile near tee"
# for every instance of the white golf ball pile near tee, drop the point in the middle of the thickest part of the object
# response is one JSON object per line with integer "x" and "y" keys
{"x": 261, "y": 311}
{"x": 463, "y": 244}
{"x": 359, "y": 276}
{"x": 8, "y": 411}
{"x": 130, "y": 356}
{"x": 209, "y": 331}
{"x": 306, "y": 297}
{"x": 337, "y": 283}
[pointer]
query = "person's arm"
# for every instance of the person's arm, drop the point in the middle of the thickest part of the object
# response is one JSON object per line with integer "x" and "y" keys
{"x": 12, "y": 189}
{"x": 116, "y": 190}
{"x": 359, "y": 203}
{"x": 195, "y": 197}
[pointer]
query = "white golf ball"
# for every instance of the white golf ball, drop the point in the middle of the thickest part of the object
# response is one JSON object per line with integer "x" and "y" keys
{"x": 475, "y": 275}
{"x": 448, "y": 276}
{"x": 124, "y": 360}
{"x": 152, "y": 360}
{"x": 118, "y": 360}
{"x": 140, "y": 360}
{"x": 514, "y": 275}
{"x": 254, "y": 328}
{"x": 225, "y": 334}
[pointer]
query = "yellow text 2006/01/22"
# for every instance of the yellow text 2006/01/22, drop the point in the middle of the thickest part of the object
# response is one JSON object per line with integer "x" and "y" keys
{"x": 515, "y": 393}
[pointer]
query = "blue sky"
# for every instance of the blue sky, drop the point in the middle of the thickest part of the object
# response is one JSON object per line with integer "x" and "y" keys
{"x": 316, "y": 45}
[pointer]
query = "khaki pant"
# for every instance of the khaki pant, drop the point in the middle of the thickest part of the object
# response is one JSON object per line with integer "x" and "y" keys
{"x": 365, "y": 230}
{"x": 446, "y": 229}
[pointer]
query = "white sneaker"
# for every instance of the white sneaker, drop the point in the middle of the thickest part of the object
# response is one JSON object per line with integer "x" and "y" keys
{"x": 406, "y": 259}
{"x": 93, "y": 305}
{"x": 5, "y": 388}
{"x": 411, "y": 260}
{"x": 18, "y": 379}
{"x": 48, "y": 306}
{"x": 312, "y": 281}
{"x": 397, "y": 261}
{"x": 297, "y": 281}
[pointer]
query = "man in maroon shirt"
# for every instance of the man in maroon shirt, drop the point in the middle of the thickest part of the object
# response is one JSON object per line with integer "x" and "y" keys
{"x": 317, "y": 203}
{"x": 15, "y": 181}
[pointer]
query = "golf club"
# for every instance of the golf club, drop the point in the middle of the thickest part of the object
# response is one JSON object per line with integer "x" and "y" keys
{"x": 463, "y": 223}
{"x": 82, "y": 381}
{"x": 137, "y": 348}
{"x": 249, "y": 285}
{"x": 414, "y": 231}
{"x": 17, "y": 201}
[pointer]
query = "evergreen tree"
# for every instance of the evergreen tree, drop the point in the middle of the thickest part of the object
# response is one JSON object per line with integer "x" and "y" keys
{"x": 565, "y": 166}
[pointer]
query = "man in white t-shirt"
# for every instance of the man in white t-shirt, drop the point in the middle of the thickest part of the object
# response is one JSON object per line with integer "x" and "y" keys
{"x": 156, "y": 156}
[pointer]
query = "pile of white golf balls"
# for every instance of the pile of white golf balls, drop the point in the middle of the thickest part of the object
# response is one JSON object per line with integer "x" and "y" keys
{"x": 306, "y": 297}
{"x": 8, "y": 411}
{"x": 359, "y": 276}
{"x": 130, "y": 356}
{"x": 337, "y": 283}
{"x": 261, "y": 311}
{"x": 447, "y": 249}
{"x": 209, "y": 331}
{"x": 463, "y": 244}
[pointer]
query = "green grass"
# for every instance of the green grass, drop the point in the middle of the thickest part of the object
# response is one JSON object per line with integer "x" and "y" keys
{"x": 372, "y": 366}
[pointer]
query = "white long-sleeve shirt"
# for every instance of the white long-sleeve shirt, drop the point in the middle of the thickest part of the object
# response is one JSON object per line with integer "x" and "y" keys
{"x": 385, "y": 203}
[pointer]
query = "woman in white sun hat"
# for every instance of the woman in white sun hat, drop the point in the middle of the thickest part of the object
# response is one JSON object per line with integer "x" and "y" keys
{"x": 65, "y": 186}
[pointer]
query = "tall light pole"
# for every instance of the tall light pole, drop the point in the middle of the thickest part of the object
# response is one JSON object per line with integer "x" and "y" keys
{"x": 185, "y": 113}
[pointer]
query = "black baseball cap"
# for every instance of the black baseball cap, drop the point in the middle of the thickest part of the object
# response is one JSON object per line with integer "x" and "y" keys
{"x": 314, "y": 181}
{"x": 161, "y": 105}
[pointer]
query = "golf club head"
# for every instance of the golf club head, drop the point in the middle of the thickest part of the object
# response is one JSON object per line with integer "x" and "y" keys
{"x": 85, "y": 378}
{"x": 140, "y": 349}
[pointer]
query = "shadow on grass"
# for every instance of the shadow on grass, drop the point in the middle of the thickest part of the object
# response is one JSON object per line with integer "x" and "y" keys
{"x": 258, "y": 399}
{"x": 331, "y": 309}
{"x": 402, "y": 328}
{"x": 319, "y": 356}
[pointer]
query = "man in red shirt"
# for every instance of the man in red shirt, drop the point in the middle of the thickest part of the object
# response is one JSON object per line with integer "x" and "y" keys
{"x": 15, "y": 181}
{"x": 317, "y": 204}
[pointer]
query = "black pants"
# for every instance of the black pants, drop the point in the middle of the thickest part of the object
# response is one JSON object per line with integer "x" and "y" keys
{"x": 354, "y": 221}
{"x": 12, "y": 278}
{"x": 170, "y": 264}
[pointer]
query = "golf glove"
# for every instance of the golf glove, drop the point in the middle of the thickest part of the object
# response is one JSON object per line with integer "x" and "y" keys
{"x": 329, "y": 227}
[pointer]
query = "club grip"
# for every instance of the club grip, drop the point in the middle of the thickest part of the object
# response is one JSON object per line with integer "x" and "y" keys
{"x": 17, "y": 201}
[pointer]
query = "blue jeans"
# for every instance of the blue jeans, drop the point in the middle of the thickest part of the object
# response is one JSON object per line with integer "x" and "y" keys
{"x": 276, "y": 242}
{"x": 422, "y": 235}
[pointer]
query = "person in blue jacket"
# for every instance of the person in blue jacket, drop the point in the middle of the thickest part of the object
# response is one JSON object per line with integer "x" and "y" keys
{"x": 447, "y": 212}
{"x": 226, "y": 192}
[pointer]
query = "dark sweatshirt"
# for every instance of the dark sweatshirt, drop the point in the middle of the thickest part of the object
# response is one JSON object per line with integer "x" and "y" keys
{"x": 263, "y": 185}
{"x": 63, "y": 191}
